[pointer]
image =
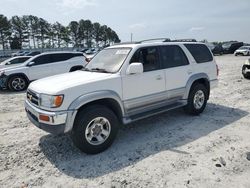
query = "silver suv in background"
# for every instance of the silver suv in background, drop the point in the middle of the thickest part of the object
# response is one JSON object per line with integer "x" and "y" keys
{"x": 17, "y": 78}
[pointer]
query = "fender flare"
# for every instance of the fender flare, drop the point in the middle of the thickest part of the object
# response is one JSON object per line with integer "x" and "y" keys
{"x": 192, "y": 79}
{"x": 90, "y": 97}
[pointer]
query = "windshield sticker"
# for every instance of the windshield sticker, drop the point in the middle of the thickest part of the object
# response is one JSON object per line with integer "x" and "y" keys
{"x": 122, "y": 52}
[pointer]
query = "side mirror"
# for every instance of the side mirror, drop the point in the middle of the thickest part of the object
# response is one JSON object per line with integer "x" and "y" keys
{"x": 8, "y": 63}
{"x": 135, "y": 68}
{"x": 30, "y": 64}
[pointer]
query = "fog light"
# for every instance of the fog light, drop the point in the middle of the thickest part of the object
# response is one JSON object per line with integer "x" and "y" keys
{"x": 44, "y": 118}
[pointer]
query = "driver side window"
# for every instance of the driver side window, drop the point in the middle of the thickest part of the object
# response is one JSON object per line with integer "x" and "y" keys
{"x": 148, "y": 57}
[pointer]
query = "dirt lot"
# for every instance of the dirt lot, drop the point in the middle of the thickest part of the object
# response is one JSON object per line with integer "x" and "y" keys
{"x": 168, "y": 150}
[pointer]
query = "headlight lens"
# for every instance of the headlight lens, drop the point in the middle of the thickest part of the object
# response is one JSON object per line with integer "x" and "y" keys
{"x": 51, "y": 101}
{"x": 247, "y": 62}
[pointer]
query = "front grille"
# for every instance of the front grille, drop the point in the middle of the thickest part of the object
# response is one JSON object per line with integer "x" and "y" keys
{"x": 32, "y": 97}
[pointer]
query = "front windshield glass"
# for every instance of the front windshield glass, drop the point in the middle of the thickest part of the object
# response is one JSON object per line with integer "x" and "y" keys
{"x": 226, "y": 45}
{"x": 108, "y": 60}
{"x": 243, "y": 48}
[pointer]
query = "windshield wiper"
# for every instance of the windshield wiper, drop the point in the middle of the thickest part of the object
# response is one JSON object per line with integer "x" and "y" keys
{"x": 99, "y": 70}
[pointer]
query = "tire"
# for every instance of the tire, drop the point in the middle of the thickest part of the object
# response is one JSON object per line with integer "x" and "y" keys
{"x": 197, "y": 99}
{"x": 87, "y": 134}
{"x": 17, "y": 83}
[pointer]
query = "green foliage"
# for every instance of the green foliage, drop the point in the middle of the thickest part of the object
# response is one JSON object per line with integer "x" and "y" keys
{"x": 33, "y": 32}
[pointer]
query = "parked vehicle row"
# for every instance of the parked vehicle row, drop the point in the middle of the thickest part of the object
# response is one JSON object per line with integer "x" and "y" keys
{"x": 122, "y": 84}
{"x": 25, "y": 53}
{"x": 40, "y": 66}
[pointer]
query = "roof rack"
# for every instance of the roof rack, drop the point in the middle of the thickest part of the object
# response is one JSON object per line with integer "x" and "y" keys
{"x": 184, "y": 40}
{"x": 156, "y": 39}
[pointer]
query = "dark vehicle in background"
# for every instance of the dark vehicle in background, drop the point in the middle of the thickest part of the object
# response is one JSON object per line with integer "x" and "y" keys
{"x": 217, "y": 50}
{"x": 246, "y": 69}
{"x": 14, "y": 61}
{"x": 231, "y": 47}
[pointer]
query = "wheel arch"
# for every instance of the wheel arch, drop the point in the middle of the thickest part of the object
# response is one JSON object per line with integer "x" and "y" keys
{"x": 17, "y": 74}
{"x": 75, "y": 68}
{"x": 107, "y": 98}
{"x": 201, "y": 78}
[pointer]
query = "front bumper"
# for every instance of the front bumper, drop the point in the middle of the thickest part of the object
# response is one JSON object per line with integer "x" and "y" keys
{"x": 59, "y": 122}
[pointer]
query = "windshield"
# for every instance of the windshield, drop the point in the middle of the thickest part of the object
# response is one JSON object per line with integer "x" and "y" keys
{"x": 226, "y": 45}
{"x": 244, "y": 48}
{"x": 108, "y": 60}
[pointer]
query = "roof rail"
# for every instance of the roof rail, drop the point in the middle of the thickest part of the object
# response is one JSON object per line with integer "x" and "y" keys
{"x": 184, "y": 40}
{"x": 124, "y": 43}
{"x": 156, "y": 39}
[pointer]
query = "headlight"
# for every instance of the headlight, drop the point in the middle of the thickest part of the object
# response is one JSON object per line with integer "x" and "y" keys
{"x": 51, "y": 101}
{"x": 247, "y": 62}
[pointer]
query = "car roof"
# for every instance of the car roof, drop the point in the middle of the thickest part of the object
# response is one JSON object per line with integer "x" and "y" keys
{"x": 61, "y": 52}
{"x": 133, "y": 45}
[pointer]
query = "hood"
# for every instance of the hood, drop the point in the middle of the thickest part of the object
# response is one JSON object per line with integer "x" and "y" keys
{"x": 55, "y": 84}
{"x": 10, "y": 67}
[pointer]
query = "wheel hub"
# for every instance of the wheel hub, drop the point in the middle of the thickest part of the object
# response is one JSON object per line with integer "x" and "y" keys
{"x": 199, "y": 99}
{"x": 97, "y": 131}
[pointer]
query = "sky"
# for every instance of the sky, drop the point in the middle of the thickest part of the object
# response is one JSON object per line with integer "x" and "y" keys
{"x": 213, "y": 20}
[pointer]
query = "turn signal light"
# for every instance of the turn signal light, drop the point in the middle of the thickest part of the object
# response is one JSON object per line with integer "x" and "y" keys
{"x": 58, "y": 100}
{"x": 44, "y": 118}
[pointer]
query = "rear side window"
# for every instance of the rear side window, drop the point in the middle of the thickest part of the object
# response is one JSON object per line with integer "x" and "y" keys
{"x": 200, "y": 52}
{"x": 43, "y": 59}
{"x": 173, "y": 56}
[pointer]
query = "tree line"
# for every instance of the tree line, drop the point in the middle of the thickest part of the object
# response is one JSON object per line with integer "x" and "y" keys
{"x": 30, "y": 31}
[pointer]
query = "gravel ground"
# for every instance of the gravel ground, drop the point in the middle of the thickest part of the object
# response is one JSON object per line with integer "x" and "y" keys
{"x": 168, "y": 150}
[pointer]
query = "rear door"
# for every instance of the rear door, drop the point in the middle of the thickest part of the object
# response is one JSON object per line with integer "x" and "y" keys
{"x": 177, "y": 70}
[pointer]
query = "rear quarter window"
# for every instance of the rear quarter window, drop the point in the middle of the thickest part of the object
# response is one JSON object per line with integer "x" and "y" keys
{"x": 200, "y": 52}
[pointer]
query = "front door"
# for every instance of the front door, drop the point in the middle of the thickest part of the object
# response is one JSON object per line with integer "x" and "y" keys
{"x": 147, "y": 88}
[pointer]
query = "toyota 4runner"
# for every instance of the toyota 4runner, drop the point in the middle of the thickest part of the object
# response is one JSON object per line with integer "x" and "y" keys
{"x": 123, "y": 83}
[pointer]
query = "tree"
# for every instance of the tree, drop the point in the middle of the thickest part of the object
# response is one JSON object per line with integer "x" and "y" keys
{"x": 74, "y": 33}
{"x": 43, "y": 31}
{"x": 18, "y": 29}
{"x": 15, "y": 43}
{"x": 97, "y": 32}
{"x": 4, "y": 30}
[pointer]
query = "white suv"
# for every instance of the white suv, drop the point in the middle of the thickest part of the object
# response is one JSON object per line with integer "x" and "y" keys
{"x": 43, "y": 65}
{"x": 122, "y": 84}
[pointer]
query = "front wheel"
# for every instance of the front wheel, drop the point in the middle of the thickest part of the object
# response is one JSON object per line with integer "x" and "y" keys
{"x": 17, "y": 83}
{"x": 197, "y": 99}
{"x": 95, "y": 129}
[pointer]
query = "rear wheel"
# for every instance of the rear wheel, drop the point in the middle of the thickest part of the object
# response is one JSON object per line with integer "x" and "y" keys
{"x": 17, "y": 83}
{"x": 197, "y": 99}
{"x": 95, "y": 129}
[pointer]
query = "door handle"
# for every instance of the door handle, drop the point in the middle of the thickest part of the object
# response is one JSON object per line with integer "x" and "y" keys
{"x": 159, "y": 77}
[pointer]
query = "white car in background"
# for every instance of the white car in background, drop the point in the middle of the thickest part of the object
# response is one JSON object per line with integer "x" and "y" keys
{"x": 14, "y": 61}
{"x": 17, "y": 78}
{"x": 244, "y": 50}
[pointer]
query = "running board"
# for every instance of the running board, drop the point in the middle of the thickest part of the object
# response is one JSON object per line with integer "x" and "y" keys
{"x": 130, "y": 119}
